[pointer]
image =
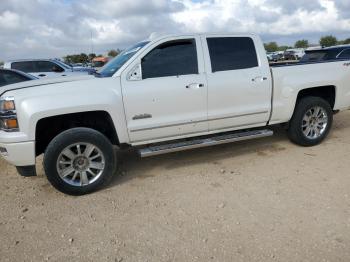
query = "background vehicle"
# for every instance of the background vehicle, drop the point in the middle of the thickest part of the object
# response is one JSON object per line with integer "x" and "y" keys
{"x": 289, "y": 55}
{"x": 327, "y": 54}
{"x": 99, "y": 62}
{"x": 173, "y": 93}
{"x": 272, "y": 57}
{"x": 8, "y": 77}
{"x": 78, "y": 65}
{"x": 44, "y": 68}
{"x": 299, "y": 52}
{"x": 294, "y": 54}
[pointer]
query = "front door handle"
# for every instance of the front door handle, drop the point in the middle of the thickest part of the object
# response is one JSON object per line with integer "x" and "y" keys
{"x": 195, "y": 85}
{"x": 42, "y": 75}
{"x": 259, "y": 78}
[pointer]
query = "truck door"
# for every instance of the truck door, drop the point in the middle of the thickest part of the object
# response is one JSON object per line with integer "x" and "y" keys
{"x": 239, "y": 82}
{"x": 46, "y": 69}
{"x": 170, "y": 98}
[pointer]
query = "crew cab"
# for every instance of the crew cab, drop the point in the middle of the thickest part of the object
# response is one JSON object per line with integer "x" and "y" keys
{"x": 46, "y": 68}
{"x": 169, "y": 94}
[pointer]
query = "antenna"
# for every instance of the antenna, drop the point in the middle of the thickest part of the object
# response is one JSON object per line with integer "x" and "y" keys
{"x": 92, "y": 43}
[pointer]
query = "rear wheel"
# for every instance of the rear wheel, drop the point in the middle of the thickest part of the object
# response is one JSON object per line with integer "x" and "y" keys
{"x": 79, "y": 161}
{"x": 311, "y": 121}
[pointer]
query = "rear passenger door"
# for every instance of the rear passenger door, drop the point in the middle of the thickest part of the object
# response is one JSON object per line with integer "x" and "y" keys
{"x": 239, "y": 82}
{"x": 47, "y": 69}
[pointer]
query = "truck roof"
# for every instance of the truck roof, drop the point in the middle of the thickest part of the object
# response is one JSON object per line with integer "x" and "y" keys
{"x": 158, "y": 37}
{"x": 28, "y": 60}
{"x": 336, "y": 47}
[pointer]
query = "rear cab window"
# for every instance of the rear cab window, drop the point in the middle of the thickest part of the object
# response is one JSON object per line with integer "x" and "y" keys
{"x": 232, "y": 53}
{"x": 24, "y": 66}
{"x": 320, "y": 55}
{"x": 313, "y": 56}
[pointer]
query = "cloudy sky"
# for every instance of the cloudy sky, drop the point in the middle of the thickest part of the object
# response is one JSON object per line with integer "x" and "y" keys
{"x": 54, "y": 28}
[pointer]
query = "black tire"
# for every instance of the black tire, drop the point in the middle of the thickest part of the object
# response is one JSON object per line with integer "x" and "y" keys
{"x": 71, "y": 137}
{"x": 295, "y": 132}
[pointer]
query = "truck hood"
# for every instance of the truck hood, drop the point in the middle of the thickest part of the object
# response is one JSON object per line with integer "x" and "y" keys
{"x": 41, "y": 82}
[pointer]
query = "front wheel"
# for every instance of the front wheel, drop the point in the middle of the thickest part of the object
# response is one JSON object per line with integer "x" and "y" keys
{"x": 311, "y": 121}
{"x": 79, "y": 161}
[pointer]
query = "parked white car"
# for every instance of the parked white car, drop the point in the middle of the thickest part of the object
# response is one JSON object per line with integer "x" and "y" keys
{"x": 169, "y": 94}
{"x": 298, "y": 53}
{"x": 44, "y": 68}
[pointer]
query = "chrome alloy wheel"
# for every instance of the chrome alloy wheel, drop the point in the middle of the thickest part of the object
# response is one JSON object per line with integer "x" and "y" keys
{"x": 80, "y": 164}
{"x": 314, "y": 122}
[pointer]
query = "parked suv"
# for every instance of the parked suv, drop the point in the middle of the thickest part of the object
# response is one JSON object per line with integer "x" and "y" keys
{"x": 44, "y": 68}
{"x": 327, "y": 54}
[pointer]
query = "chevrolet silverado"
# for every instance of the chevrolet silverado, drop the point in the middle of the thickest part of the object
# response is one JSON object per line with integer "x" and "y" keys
{"x": 168, "y": 94}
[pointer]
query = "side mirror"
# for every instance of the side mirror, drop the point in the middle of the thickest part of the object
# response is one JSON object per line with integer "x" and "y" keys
{"x": 135, "y": 73}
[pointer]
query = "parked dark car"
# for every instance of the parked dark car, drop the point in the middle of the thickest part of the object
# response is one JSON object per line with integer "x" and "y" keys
{"x": 327, "y": 54}
{"x": 8, "y": 77}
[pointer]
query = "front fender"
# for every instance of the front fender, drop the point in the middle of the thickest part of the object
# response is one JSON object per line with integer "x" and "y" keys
{"x": 100, "y": 94}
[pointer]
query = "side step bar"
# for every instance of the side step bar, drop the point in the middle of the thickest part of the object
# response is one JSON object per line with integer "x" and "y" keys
{"x": 203, "y": 142}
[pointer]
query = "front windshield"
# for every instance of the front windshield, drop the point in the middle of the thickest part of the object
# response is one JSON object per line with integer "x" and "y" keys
{"x": 113, "y": 66}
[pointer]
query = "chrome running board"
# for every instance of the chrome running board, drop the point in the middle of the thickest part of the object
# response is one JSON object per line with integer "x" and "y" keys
{"x": 203, "y": 142}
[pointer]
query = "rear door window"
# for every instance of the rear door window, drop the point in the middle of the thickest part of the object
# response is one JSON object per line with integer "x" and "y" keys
{"x": 25, "y": 66}
{"x": 232, "y": 53}
{"x": 47, "y": 66}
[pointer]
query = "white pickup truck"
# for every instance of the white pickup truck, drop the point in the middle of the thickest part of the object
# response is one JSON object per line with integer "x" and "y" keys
{"x": 169, "y": 94}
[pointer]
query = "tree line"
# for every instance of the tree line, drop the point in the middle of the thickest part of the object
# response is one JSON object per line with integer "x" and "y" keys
{"x": 325, "y": 41}
{"x": 87, "y": 58}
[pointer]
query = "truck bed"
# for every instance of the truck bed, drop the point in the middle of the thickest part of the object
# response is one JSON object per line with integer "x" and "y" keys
{"x": 290, "y": 78}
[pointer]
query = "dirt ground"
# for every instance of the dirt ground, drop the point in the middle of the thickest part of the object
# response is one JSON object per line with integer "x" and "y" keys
{"x": 259, "y": 200}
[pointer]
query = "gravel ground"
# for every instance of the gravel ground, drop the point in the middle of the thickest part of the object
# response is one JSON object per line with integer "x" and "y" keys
{"x": 261, "y": 200}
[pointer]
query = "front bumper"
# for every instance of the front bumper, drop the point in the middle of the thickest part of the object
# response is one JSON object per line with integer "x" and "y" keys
{"x": 18, "y": 154}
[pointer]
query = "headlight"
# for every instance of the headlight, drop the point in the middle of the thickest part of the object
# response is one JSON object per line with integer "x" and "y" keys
{"x": 8, "y": 114}
{"x": 7, "y": 104}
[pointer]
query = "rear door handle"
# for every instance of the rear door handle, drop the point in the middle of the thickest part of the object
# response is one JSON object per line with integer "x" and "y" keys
{"x": 42, "y": 75}
{"x": 195, "y": 85}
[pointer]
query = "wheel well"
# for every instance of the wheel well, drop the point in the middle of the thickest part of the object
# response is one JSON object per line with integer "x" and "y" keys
{"x": 325, "y": 92}
{"x": 50, "y": 127}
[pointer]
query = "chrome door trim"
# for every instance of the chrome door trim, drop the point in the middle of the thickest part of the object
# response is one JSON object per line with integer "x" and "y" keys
{"x": 198, "y": 121}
